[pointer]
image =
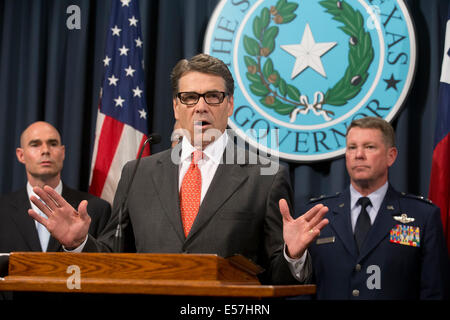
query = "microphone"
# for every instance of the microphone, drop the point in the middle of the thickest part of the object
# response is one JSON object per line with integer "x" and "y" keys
{"x": 153, "y": 138}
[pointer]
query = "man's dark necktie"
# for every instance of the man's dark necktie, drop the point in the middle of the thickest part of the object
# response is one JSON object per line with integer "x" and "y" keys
{"x": 363, "y": 225}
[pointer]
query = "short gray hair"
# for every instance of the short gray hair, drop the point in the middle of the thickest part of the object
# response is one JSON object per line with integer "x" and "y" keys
{"x": 385, "y": 127}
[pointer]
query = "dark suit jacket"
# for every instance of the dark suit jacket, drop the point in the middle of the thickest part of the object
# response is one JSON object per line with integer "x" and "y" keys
{"x": 406, "y": 272}
{"x": 18, "y": 230}
{"x": 239, "y": 214}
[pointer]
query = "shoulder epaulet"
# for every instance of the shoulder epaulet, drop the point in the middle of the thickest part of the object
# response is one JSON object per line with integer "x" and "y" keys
{"x": 323, "y": 197}
{"x": 416, "y": 197}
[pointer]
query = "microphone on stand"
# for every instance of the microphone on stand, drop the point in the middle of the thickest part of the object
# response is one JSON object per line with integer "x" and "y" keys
{"x": 154, "y": 138}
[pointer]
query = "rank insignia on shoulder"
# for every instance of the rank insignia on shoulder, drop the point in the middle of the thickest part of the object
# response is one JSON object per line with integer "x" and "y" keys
{"x": 323, "y": 197}
{"x": 405, "y": 235}
{"x": 404, "y": 218}
{"x": 313, "y": 199}
{"x": 421, "y": 198}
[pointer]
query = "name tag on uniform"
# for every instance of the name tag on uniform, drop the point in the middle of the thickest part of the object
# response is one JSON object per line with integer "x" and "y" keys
{"x": 325, "y": 240}
{"x": 405, "y": 235}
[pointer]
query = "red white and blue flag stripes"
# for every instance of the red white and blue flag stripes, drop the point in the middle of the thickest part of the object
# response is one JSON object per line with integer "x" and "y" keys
{"x": 122, "y": 115}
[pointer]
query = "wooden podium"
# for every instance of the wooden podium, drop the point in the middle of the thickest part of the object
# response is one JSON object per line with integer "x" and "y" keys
{"x": 134, "y": 273}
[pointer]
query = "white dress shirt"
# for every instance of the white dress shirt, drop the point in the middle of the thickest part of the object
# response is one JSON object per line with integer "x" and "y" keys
{"x": 212, "y": 156}
{"x": 44, "y": 235}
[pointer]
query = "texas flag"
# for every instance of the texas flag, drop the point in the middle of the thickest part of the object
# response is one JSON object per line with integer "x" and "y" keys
{"x": 439, "y": 191}
{"x": 122, "y": 115}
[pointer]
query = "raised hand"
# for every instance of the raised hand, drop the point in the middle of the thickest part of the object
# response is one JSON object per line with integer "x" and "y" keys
{"x": 299, "y": 233}
{"x": 65, "y": 224}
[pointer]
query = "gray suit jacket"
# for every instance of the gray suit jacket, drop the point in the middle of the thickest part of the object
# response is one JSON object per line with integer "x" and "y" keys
{"x": 239, "y": 214}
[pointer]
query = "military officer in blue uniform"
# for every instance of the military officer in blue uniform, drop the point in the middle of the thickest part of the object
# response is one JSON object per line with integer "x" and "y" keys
{"x": 378, "y": 243}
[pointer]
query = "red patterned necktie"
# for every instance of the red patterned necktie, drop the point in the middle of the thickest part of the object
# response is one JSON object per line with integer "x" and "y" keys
{"x": 190, "y": 193}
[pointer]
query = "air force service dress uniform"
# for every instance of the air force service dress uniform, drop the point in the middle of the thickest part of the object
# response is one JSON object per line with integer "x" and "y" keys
{"x": 402, "y": 257}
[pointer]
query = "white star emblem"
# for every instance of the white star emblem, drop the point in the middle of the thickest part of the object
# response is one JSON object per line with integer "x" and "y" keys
{"x": 133, "y": 21}
{"x": 123, "y": 50}
{"x": 106, "y": 61}
{"x": 142, "y": 114}
{"x": 137, "y": 92}
{"x": 113, "y": 80}
{"x": 138, "y": 42}
{"x": 125, "y": 3}
{"x": 116, "y": 31}
{"x": 119, "y": 101}
{"x": 308, "y": 53}
{"x": 129, "y": 71}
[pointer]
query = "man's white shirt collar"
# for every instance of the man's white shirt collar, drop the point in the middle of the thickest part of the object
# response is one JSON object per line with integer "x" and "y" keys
{"x": 213, "y": 151}
{"x": 30, "y": 191}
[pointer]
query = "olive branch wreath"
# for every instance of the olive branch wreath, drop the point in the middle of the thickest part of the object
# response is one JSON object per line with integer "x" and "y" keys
{"x": 285, "y": 98}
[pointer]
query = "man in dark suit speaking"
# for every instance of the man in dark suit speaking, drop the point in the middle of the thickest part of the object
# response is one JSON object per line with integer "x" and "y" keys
{"x": 196, "y": 198}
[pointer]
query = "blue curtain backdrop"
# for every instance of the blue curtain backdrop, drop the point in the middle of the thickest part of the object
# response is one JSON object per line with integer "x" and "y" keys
{"x": 51, "y": 73}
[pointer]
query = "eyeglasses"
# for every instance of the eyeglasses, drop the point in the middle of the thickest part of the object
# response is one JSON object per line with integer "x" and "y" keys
{"x": 210, "y": 97}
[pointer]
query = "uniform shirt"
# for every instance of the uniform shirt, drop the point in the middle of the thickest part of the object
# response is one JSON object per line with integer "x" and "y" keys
{"x": 376, "y": 198}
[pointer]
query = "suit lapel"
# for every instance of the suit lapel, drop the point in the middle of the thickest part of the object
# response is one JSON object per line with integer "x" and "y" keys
{"x": 340, "y": 222}
{"x": 26, "y": 225}
{"x": 53, "y": 245}
{"x": 165, "y": 180}
{"x": 226, "y": 181}
{"x": 383, "y": 223}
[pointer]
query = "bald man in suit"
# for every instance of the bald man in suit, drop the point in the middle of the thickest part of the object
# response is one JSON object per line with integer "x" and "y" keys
{"x": 43, "y": 155}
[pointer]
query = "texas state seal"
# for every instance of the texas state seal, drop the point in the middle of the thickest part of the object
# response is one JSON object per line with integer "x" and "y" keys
{"x": 305, "y": 69}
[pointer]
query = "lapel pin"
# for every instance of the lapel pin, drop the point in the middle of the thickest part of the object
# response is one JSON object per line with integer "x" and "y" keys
{"x": 404, "y": 218}
{"x": 390, "y": 207}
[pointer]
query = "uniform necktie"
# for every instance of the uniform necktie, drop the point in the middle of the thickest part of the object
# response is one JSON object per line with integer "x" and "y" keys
{"x": 190, "y": 193}
{"x": 362, "y": 223}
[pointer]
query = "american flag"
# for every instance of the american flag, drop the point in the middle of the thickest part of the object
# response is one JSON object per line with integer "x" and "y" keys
{"x": 439, "y": 191}
{"x": 122, "y": 115}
